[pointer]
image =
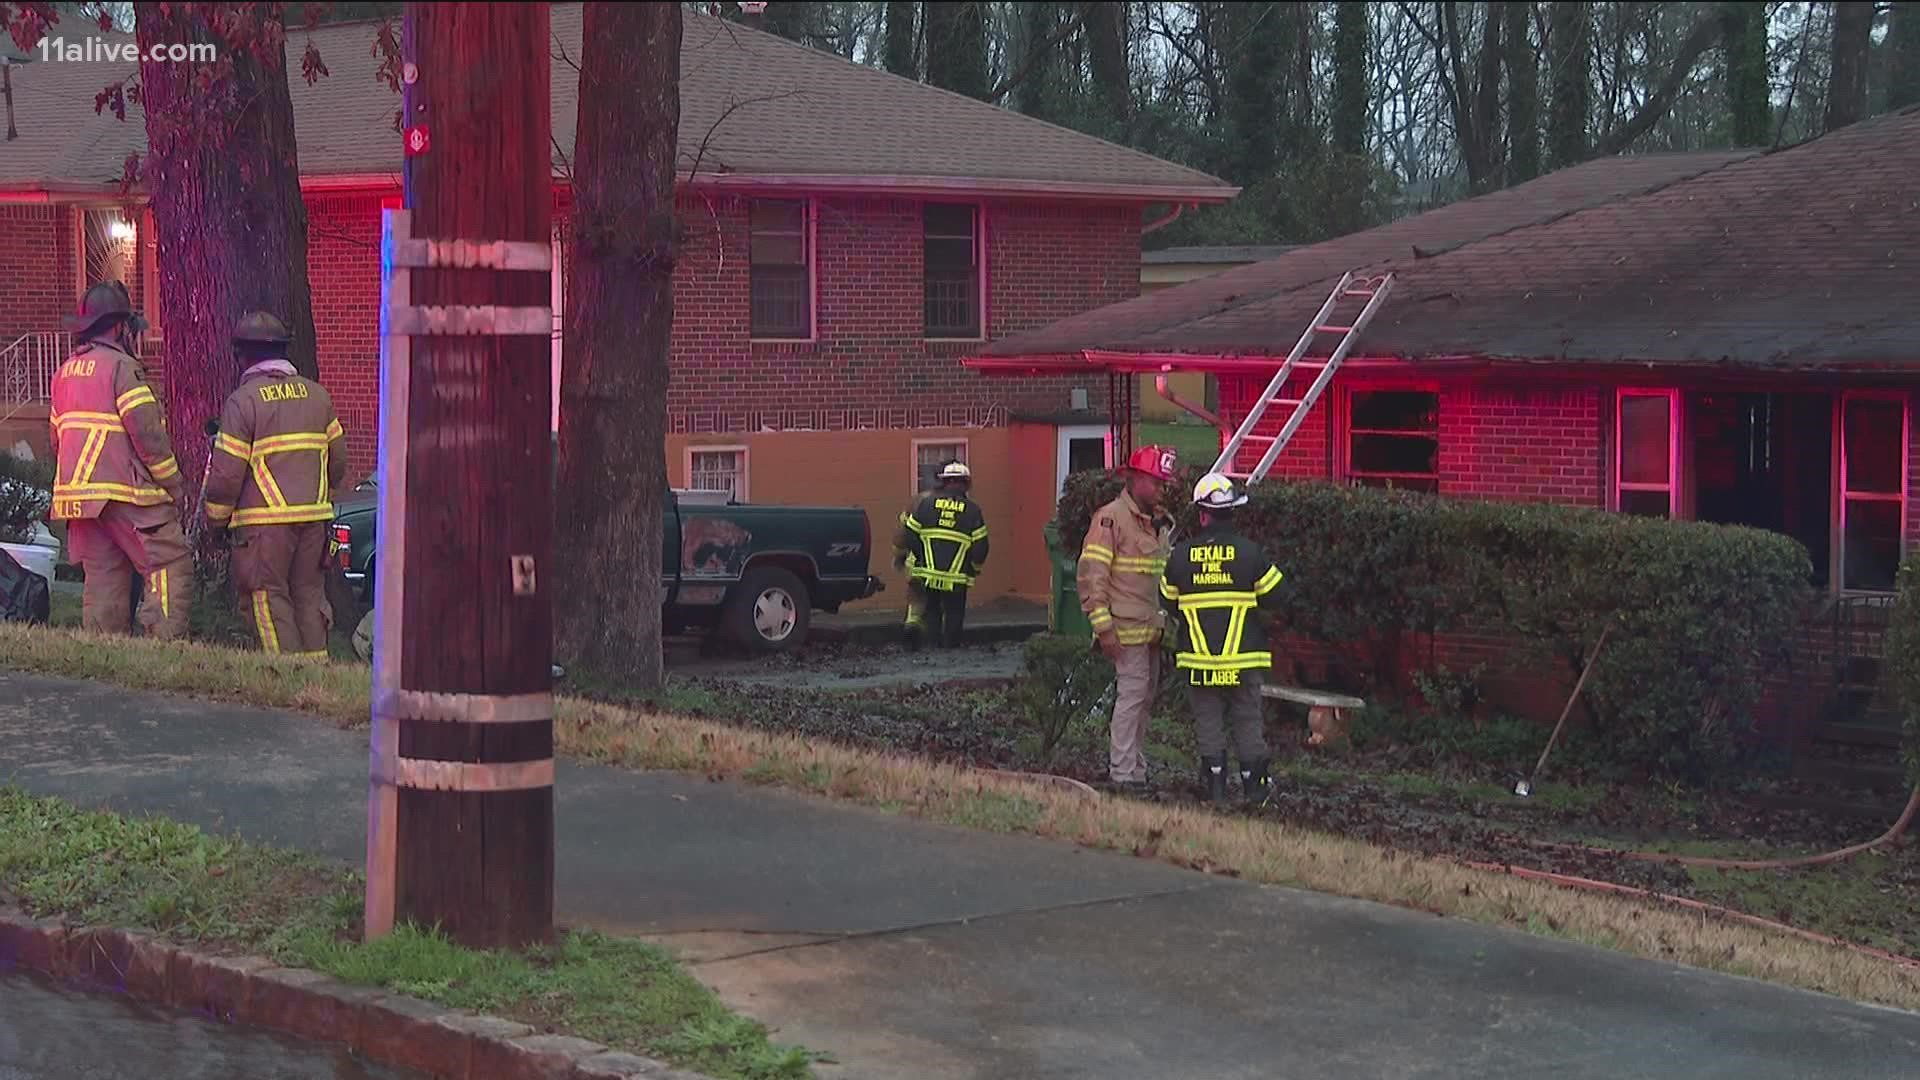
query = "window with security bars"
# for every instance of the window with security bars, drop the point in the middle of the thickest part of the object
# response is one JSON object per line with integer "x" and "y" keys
{"x": 1393, "y": 439}
{"x": 782, "y": 282}
{"x": 930, "y": 457}
{"x": 718, "y": 470}
{"x": 952, "y": 272}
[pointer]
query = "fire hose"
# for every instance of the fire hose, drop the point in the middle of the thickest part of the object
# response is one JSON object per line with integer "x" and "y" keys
{"x": 206, "y": 469}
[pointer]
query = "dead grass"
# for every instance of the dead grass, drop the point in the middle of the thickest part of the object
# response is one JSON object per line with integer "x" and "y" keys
{"x": 1192, "y": 837}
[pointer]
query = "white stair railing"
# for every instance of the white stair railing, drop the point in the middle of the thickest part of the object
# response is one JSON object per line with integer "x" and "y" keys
{"x": 27, "y": 366}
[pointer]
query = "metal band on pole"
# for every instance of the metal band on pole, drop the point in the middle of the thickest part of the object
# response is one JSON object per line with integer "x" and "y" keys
{"x": 463, "y": 708}
{"x": 421, "y": 774}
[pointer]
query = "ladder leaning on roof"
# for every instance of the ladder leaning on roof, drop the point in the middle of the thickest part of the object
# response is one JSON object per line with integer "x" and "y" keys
{"x": 1374, "y": 291}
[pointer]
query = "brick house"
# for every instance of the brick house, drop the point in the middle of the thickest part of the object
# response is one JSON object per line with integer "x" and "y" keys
{"x": 847, "y": 236}
{"x": 1729, "y": 337}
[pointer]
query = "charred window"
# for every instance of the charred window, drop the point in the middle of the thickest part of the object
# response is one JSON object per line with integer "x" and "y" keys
{"x": 1393, "y": 439}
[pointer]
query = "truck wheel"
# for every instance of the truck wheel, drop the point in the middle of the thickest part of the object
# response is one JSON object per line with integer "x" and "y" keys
{"x": 769, "y": 610}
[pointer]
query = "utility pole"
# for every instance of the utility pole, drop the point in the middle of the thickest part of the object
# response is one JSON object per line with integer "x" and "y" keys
{"x": 460, "y": 806}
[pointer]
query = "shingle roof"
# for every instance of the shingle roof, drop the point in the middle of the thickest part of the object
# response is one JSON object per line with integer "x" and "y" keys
{"x": 801, "y": 112}
{"x": 1804, "y": 257}
{"x": 1155, "y": 319}
{"x": 1216, "y": 253}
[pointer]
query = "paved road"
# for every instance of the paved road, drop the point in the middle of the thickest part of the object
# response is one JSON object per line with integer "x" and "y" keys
{"x": 911, "y": 949}
{"x": 50, "y": 1033}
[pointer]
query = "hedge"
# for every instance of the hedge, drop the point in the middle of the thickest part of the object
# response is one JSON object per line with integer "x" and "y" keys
{"x": 1903, "y": 658}
{"x": 1698, "y": 611}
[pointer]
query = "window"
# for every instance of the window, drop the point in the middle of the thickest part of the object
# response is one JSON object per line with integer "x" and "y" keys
{"x": 1645, "y": 467}
{"x": 718, "y": 468}
{"x": 1873, "y": 485}
{"x": 953, "y": 270}
{"x": 929, "y": 457}
{"x": 1393, "y": 439}
{"x": 780, "y": 258}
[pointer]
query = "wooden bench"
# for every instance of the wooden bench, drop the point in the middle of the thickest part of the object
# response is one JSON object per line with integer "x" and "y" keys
{"x": 1326, "y": 711}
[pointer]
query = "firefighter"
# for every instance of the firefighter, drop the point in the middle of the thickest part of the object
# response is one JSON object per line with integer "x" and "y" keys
{"x": 942, "y": 545}
{"x": 1119, "y": 581}
{"x": 1215, "y": 582}
{"x": 278, "y": 457}
{"x": 118, "y": 485}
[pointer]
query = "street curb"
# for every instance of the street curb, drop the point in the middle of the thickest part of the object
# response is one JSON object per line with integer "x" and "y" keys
{"x": 387, "y": 1029}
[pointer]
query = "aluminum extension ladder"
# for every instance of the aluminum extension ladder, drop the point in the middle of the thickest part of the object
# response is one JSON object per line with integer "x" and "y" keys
{"x": 1374, "y": 291}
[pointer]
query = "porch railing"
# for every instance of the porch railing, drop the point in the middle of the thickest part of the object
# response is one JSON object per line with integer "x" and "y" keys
{"x": 27, "y": 366}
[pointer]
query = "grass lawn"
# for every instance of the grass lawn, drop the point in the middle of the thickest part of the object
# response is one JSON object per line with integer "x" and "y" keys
{"x": 1269, "y": 849}
{"x": 158, "y": 875}
{"x": 1196, "y": 443}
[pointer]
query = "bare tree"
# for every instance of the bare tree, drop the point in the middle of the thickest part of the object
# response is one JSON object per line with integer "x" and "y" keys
{"x": 1847, "y": 70}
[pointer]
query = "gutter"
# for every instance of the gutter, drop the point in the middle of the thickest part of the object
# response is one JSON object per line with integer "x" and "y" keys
{"x": 1160, "y": 387}
{"x": 1161, "y": 223}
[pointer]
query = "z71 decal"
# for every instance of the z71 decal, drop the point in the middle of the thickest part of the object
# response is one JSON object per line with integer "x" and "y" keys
{"x": 840, "y": 551}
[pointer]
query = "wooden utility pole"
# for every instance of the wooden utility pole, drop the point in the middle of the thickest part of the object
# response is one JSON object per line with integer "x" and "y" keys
{"x": 460, "y": 817}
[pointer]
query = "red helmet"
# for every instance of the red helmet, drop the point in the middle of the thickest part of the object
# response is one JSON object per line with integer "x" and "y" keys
{"x": 1156, "y": 461}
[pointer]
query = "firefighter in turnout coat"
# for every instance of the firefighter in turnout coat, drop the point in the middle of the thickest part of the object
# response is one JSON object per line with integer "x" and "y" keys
{"x": 276, "y": 461}
{"x": 1218, "y": 582}
{"x": 1119, "y": 581}
{"x": 942, "y": 545}
{"x": 118, "y": 483}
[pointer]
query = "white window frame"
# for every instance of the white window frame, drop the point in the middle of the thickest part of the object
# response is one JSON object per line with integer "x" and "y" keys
{"x": 1064, "y": 439}
{"x": 810, "y": 236}
{"x": 744, "y": 470}
{"x": 913, "y": 459}
{"x": 1615, "y": 483}
{"x": 1844, "y": 497}
{"x": 982, "y": 280}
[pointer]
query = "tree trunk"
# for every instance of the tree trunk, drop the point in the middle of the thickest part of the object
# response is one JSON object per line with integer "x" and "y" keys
{"x": 1569, "y": 63}
{"x": 1744, "y": 44}
{"x": 901, "y": 57}
{"x": 1847, "y": 72}
{"x": 1523, "y": 94}
{"x": 1349, "y": 121}
{"x": 1107, "y": 49}
{"x": 793, "y": 21}
{"x": 1038, "y": 89}
{"x": 957, "y": 47}
{"x": 1903, "y": 59}
{"x": 465, "y": 464}
{"x": 1486, "y": 101}
{"x": 1255, "y": 108}
{"x": 224, "y": 181}
{"x": 619, "y": 320}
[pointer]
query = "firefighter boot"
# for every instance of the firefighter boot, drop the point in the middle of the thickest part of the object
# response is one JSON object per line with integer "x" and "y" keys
{"x": 1213, "y": 775}
{"x": 1255, "y": 786}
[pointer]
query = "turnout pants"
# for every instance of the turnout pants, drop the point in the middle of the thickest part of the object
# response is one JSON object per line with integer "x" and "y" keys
{"x": 1136, "y": 676}
{"x": 280, "y": 573}
{"x": 939, "y": 614}
{"x": 124, "y": 540}
{"x": 1216, "y": 708}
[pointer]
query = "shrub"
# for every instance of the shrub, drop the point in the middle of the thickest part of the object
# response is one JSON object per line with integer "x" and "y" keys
{"x": 26, "y": 491}
{"x": 1903, "y": 658}
{"x": 1062, "y": 698}
{"x": 1698, "y": 611}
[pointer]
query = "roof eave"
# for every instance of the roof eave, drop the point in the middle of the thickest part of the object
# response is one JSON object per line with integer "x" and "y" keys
{"x": 963, "y": 187}
{"x": 45, "y": 191}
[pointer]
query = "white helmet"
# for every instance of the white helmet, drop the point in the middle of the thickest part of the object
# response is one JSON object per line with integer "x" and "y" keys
{"x": 1217, "y": 491}
{"x": 955, "y": 470}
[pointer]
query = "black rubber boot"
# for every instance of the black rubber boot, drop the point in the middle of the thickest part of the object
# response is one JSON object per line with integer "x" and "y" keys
{"x": 1213, "y": 777}
{"x": 1255, "y": 785}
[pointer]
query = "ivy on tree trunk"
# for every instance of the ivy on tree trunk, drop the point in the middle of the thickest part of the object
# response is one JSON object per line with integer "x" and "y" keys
{"x": 1570, "y": 65}
{"x": 957, "y": 48}
{"x": 902, "y": 56}
{"x": 1349, "y": 127}
{"x": 1523, "y": 95}
{"x": 1903, "y": 56}
{"x": 619, "y": 316}
{"x": 1107, "y": 55}
{"x": 222, "y": 172}
{"x": 1847, "y": 71}
{"x": 1744, "y": 43}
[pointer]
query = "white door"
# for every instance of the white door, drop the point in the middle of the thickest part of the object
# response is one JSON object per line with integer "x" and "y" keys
{"x": 1077, "y": 447}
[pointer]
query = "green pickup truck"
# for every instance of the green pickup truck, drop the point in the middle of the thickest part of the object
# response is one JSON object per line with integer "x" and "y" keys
{"x": 757, "y": 573}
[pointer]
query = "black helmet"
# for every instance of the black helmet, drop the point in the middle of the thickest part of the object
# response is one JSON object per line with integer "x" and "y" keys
{"x": 261, "y": 328}
{"x": 103, "y": 305}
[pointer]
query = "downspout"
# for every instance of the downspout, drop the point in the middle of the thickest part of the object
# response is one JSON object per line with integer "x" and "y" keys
{"x": 1161, "y": 223}
{"x": 6, "y": 84}
{"x": 1160, "y": 386}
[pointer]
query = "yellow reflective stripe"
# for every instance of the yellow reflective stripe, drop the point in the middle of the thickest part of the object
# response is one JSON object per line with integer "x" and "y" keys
{"x": 310, "y": 654}
{"x": 1217, "y": 599}
{"x": 89, "y": 455}
{"x": 980, "y": 533}
{"x": 158, "y": 582}
{"x": 280, "y": 444}
{"x": 1097, "y": 551}
{"x": 1135, "y": 635}
{"x": 165, "y": 469}
{"x": 263, "y": 621}
{"x": 1169, "y": 590}
{"x": 269, "y": 487}
{"x": 1196, "y": 636}
{"x": 1268, "y": 582}
{"x": 88, "y": 420}
{"x": 1232, "y": 662}
{"x": 133, "y": 399}
{"x": 238, "y": 447}
{"x": 932, "y": 533}
{"x": 218, "y": 511}
{"x": 282, "y": 515}
{"x": 335, "y": 431}
{"x": 106, "y": 491}
{"x": 1091, "y": 555}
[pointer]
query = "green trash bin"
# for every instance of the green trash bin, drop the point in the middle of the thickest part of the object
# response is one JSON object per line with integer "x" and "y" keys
{"x": 1063, "y": 614}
